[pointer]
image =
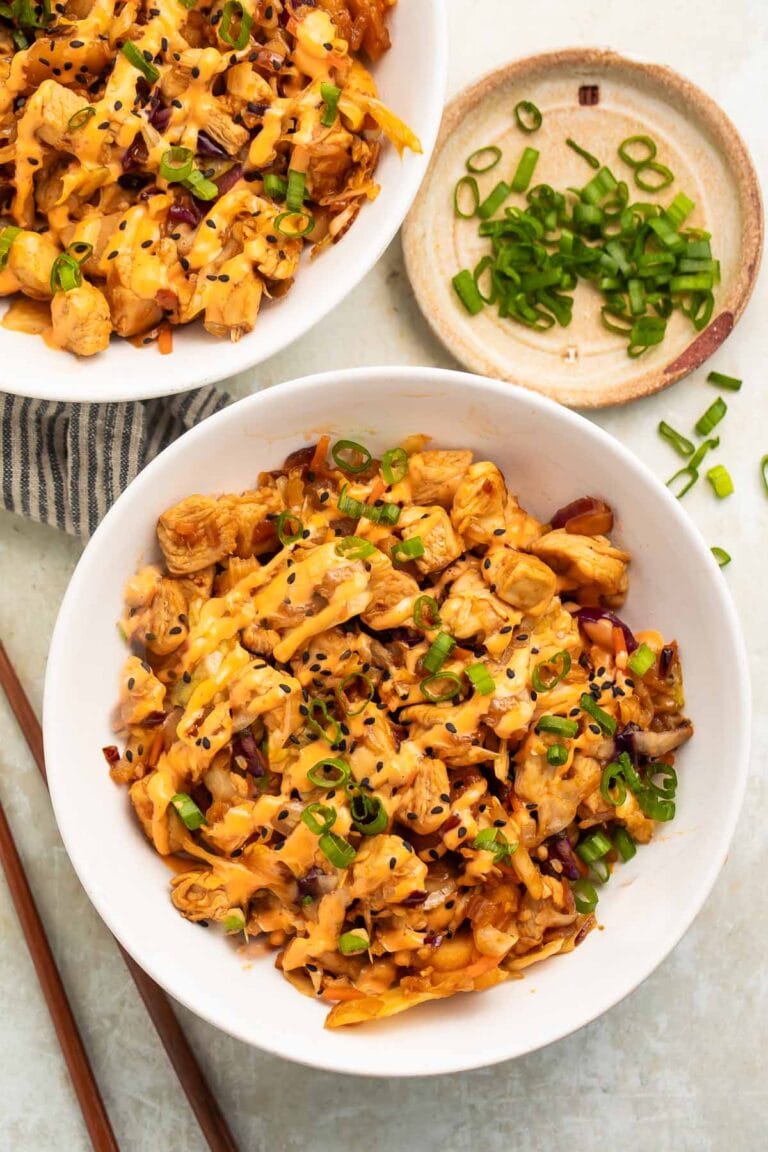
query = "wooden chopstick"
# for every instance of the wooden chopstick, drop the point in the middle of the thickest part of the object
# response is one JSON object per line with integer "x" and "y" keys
{"x": 72, "y": 1047}
{"x": 197, "y": 1090}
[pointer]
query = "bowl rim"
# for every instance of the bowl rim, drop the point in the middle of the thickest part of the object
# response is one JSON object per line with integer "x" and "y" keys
{"x": 246, "y": 354}
{"x": 142, "y": 951}
{"x": 703, "y": 344}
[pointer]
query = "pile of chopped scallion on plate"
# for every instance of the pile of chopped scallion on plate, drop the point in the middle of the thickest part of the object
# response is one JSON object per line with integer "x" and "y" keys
{"x": 637, "y": 254}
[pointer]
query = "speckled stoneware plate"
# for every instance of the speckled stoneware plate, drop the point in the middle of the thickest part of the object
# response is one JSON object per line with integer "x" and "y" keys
{"x": 584, "y": 365}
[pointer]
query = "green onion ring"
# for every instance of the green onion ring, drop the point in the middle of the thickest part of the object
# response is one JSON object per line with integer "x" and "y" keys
{"x": 606, "y": 721}
{"x": 350, "y": 943}
{"x": 585, "y": 896}
{"x": 666, "y": 175}
{"x": 354, "y": 548}
{"x": 439, "y": 651}
{"x": 427, "y": 604}
{"x": 176, "y": 164}
{"x": 79, "y": 119}
{"x": 470, "y": 183}
{"x": 394, "y": 465}
{"x": 344, "y": 700}
{"x": 722, "y": 557}
{"x": 188, "y": 811}
{"x": 234, "y": 10}
{"x": 624, "y": 844}
{"x": 296, "y": 233}
{"x": 680, "y": 443}
{"x": 449, "y": 678}
{"x": 317, "y": 775}
{"x": 326, "y": 813}
{"x": 477, "y": 169}
{"x": 636, "y": 161}
{"x": 336, "y": 849}
{"x": 612, "y": 777}
{"x": 369, "y": 816}
{"x": 537, "y": 676}
{"x": 340, "y": 453}
{"x": 528, "y": 116}
{"x": 558, "y": 725}
{"x": 283, "y": 528}
{"x": 321, "y": 729}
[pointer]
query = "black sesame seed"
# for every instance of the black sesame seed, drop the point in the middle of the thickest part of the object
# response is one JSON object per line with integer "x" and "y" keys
{"x": 175, "y": 631}
{"x": 499, "y": 823}
{"x": 291, "y": 578}
{"x": 282, "y": 814}
{"x": 595, "y": 728}
{"x": 438, "y": 808}
{"x": 123, "y": 225}
{"x": 503, "y": 631}
{"x": 285, "y": 688}
{"x": 411, "y": 816}
{"x": 451, "y": 727}
{"x": 510, "y": 674}
{"x": 210, "y": 223}
{"x": 206, "y": 743}
{"x": 131, "y": 682}
{"x": 461, "y": 833}
{"x": 112, "y": 255}
{"x": 392, "y": 863}
{"x": 445, "y": 798}
{"x": 129, "y": 755}
{"x": 195, "y": 73}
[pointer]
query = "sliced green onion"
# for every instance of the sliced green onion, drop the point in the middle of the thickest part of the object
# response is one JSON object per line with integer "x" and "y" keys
{"x": 540, "y": 684}
{"x": 691, "y": 476}
{"x": 557, "y": 755}
{"x": 459, "y": 196}
{"x": 599, "y": 187}
{"x": 665, "y": 176}
{"x": 383, "y": 513}
{"x": 351, "y": 457}
{"x": 720, "y": 479}
{"x": 584, "y": 896}
{"x": 188, "y": 811}
{"x": 134, "y": 56}
{"x": 343, "y": 699}
{"x": 494, "y": 840}
{"x": 296, "y": 192}
{"x": 641, "y": 660}
{"x": 764, "y": 472}
{"x": 645, "y": 333}
{"x": 713, "y": 415}
{"x": 624, "y": 844}
{"x": 276, "y": 187}
{"x": 606, "y": 721}
{"x": 481, "y": 679}
{"x": 331, "y": 95}
{"x": 65, "y": 274}
{"x": 369, "y": 816}
{"x": 176, "y": 164}
{"x": 645, "y": 143}
{"x": 7, "y": 237}
{"x": 232, "y": 11}
{"x": 79, "y": 119}
{"x": 331, "y": 772}
{"x": 476, "y": 166}
{"x": 494, "y": 201}
{"x": 654, "y": 805}
{"x": 702, "y": 450}
{"x": 452, "y": 690}
{"x": 294, "y": 231}
{"x": 467, "y": 291}
{"x": 528, "y": 116}
{"x": 730, "y": 383}
{"x": 721, "y": 556}
{"x": 679, "y": 442}
{"x": 426, "y": 605}
{"x": 594, "y": 847}
{"x": 612, "y": 778}
{"x": 234, "y": 923}
{"x": 351, "y": 943}
{"x": 200, "y": 187}
{"x": 394, "y": 465}
{"x": 558, "y": 726}
{"x": 600, "y": 871}
{"x": 590, "y": 159}
{"x": 289, "y": 528}
{"x": 354, "y": 548}
{"x": 326, "y": 814}
{"x": 321, "y": 728}
{"x": 336, "y": 849}
{"x": 525, "y": 169}
{"x": 405, "y": 550}
{"x": 439, "y": 651}
{"x": 679, "y": 210}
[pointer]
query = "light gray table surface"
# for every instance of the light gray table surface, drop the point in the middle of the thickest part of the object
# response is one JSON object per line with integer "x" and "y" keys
{"x": 680, "y": 1065}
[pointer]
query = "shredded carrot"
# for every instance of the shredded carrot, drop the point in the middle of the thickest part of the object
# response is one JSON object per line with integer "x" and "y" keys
{"x": 619, "y": 645}
{"x": 155, "y": 749}
{"x": 165, "y": 339}
{"x": 377, "y": 489}
{"x": 321, "y": 451}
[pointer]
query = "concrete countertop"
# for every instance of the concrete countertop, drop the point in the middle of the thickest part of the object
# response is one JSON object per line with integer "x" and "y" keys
{"x": 680, "y": 1065}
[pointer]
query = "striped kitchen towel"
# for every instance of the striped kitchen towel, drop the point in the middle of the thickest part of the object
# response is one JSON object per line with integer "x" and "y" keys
{"x": 65, "y": 464}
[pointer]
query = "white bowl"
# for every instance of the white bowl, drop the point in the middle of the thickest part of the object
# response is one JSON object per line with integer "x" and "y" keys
{"x": 412, "y": 79}
{"x": 549, "y": 456}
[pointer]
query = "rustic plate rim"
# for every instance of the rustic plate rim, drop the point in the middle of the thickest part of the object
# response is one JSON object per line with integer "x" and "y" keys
{"x": 728, "y": 141}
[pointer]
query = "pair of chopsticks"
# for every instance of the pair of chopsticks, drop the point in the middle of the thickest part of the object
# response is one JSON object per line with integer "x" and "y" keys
{"x": 201, "y": 1099}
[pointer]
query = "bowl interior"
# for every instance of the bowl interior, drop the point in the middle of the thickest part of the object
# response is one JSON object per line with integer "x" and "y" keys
{"x": 411, "y": 79}
{"x": 549, "y": 456}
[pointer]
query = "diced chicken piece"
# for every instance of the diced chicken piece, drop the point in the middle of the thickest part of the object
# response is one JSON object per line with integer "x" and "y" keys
{"x": 433, "y": 527}
{"x": 160, "y": 623}
{"x": 519, "y": 579}
{"x": 52, "y": 107}
{"x": 141, "y": 693}
{"x": 478, "y": 506}
{"x": 521, "y": 529}
{"x": 262, "y": 690}
{"x": 8, "y": 282}
{"x": 374, "y": 874}
{"x": 130, "y": 313}
{"x": 30, "y": 260}
{"x": 200, "y": 895}
{"x": 81, "y": 320}
{"x": 557, "y": 791}
{"x": 471, "y": 609}
{"x": 658, "y": 744}
{"x": 232, "y": 309}
{"x": 393, "y": 595}
{"x": 585, "y": 562}
{"x": 48, "y": 57}
{"x": 255, "y": 531}
{"x": 195, "y": 533}
{"x": 421, "y": 807}
{"x": 222, "y": 129}
{"x": 435, "y": 475}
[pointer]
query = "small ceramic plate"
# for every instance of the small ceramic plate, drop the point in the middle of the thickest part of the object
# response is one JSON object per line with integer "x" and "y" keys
{"x": 598, "y": 99}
